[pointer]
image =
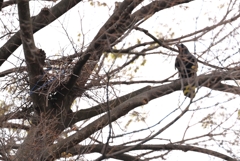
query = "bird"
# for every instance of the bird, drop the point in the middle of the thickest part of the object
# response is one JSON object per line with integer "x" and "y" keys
{"x": 187, "y": 66}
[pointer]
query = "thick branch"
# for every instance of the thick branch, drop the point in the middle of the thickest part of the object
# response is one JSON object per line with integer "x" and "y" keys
{"x": 154, "y": 7}
{"x": 66, "y": 88}
{"x": 34, "y": 57}
{"x": 112, "y": 30}
{"x": 1, "y": 3}
{"x": 184, "y": 148}
{"x": 224, "y": 88}
{"x": 101, "y": 108}
{"x": 141, "y": 99}
{"x": 44, "y": 18}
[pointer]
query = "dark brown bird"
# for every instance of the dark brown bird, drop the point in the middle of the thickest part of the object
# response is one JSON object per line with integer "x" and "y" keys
{"x": 187, "y": 66}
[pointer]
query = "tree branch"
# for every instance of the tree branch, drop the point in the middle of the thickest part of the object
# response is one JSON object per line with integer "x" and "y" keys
{"x": 112, "y": 149}
{"x": 110, "y": 31}
{"x": 154, "y": 7}
{"x": 101, "y": 108}
{"x": 34, "y": 57}
{"x": 45, "y": 17}
{"x": 13, "y": 70}
{"x": 62, "y": 100}
{"x": 117, "y": 24}
{"x": 224, "y": 88}
{"x": 141, "y": 99}
{"x": 160, "y": 42}
{"x": 14, "y": 126}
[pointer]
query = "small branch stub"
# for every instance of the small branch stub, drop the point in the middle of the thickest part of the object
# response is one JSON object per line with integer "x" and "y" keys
{"x": 145, "y": 101}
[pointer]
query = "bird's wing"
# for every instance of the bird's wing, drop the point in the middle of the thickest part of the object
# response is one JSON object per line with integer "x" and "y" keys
{"x": 177, "y": 64}
{"x": 193, "y": 62}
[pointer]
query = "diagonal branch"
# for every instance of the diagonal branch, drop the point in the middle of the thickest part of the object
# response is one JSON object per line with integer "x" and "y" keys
{"x": 101, "y": 108}
{"x": 154, "y": 7}
{"x": 109, "y": 33}
{"x": 223, "y": 87}
{"x": 66, "y": 88}
{"x": 141, "y": 99}
{"x": 160, "y": 42}
{"x": 113, "y": 29}
{"x": 118, "y": 24}
{"x": 111, "y": 149}
{"x": 44, "y": 18}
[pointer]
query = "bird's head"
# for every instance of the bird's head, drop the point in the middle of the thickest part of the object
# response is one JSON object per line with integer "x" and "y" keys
{"x": 182, "y": 49}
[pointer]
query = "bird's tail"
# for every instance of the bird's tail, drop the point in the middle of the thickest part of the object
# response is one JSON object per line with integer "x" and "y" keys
{"x": 189, "y": 91}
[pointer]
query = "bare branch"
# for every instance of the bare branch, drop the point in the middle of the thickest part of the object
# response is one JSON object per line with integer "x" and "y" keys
{"x": 142, "y": 99}
{"x": 184, "y": 148}
{"x": 66, "y": 88}
{"x": 101, "y": 108}
{"x": 14, "y": 126}
{"x": 45, "y": 17}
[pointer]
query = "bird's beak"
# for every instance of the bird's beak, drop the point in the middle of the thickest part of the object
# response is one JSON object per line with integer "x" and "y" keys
{"x": 178, "y": 46}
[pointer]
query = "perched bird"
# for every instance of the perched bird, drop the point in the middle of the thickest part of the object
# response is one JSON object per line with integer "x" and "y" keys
{"x": 187, "y": 66}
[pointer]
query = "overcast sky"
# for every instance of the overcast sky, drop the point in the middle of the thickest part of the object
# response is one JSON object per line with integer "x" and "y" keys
{"x": 84, "y": 21}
